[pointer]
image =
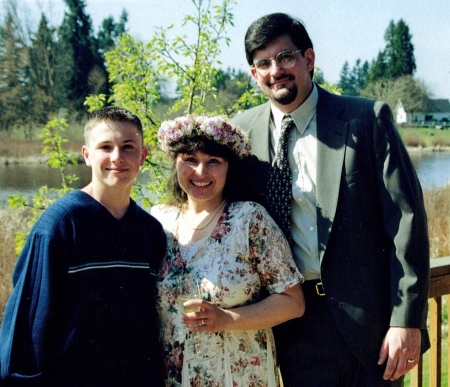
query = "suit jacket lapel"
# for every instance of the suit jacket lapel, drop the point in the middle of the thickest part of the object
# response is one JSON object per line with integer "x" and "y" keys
{"x": 331, "y": 139}
{"x": 259, "y": 132}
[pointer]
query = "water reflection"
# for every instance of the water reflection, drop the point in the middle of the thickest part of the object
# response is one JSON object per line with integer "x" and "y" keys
{"x": 26, "y": 179}
{"x": 433, "y": 169}
{"x": 23, "y": 177}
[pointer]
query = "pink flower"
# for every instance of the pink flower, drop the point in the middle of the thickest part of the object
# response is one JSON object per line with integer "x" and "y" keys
{"x": 179, "y": 261}
{"x": 165, "y": 269}
{"x": 255, "y": 361}
{"x": 177, "y": 356}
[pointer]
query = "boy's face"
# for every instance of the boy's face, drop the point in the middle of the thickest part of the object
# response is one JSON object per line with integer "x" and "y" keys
{"x": 115, "y": 153}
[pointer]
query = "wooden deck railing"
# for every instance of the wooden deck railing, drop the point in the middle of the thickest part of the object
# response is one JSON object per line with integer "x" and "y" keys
{"x": 440, "y": 286}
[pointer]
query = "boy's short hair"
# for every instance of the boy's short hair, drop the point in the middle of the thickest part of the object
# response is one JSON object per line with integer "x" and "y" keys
{"x": 111, "y": 114}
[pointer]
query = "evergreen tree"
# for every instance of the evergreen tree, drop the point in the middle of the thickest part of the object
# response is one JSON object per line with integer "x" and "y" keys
{"x": 88, "y": 74}
{"x": 397, "y": 59}
{"x": 110, "y": 32}
{"x": 399, "y": 50}
{"x": 14, "y": 84}
{"x": 345, "y": 82}
{"x": 44, "y": 55}
{"x": 359, "y": 74}
{"x": 352, "y": 82}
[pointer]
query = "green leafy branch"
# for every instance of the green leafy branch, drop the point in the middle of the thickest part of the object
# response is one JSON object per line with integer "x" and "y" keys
{"x": 58, "y": 158}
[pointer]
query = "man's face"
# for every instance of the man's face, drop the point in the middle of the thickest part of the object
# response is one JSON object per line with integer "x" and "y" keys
{"x": 287, "y": 88}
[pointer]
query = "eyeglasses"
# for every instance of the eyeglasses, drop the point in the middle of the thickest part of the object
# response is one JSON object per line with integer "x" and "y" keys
{"x": 284, "y": 59}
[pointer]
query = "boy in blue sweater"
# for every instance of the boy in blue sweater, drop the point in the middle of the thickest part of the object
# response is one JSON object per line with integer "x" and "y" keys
{"x": 82, "y": 312}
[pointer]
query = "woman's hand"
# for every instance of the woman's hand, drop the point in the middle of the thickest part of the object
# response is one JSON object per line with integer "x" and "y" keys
{"x": 270, "y": 311}
{"x": 209, "y": 318}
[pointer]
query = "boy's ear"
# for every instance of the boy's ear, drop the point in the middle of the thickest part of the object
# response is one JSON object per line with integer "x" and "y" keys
{"x": 144, "y": 155}
{"x": 85, "y": 153}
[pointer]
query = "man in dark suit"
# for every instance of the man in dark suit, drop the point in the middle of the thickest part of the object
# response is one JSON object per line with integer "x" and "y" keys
{"x": 357, "y": 220}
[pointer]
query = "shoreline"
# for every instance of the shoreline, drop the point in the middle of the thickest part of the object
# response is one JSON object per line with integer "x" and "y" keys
{"x": 34, "y": 159}
{"x": 429, "y": 149}
{"x": 42, "y": 159}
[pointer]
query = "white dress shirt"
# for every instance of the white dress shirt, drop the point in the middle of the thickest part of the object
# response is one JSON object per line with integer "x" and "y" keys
{"x": 302, "y": 160}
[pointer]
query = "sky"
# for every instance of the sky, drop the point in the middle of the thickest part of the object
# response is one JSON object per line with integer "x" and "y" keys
{"x": 341, "y": 30}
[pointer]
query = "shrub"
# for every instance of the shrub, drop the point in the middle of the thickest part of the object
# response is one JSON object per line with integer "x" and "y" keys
{"x": 441, "y": 141}
{"x": 413, "y": 140}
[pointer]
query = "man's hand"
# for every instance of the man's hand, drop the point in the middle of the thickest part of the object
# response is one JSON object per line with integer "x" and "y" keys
{"x": 401, "y": 349}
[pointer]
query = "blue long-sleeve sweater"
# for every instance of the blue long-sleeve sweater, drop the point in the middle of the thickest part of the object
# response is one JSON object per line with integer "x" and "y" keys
{"x": 82, "y": 311}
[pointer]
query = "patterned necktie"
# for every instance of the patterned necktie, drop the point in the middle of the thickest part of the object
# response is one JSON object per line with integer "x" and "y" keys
{"x": 280, "y": 182}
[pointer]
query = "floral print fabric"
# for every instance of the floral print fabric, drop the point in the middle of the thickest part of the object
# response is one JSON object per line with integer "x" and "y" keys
{"x": 245, "y": 256}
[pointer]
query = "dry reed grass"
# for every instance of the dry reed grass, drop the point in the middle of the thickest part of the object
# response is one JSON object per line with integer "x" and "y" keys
{"x": 413, "y": 140}
{"x": 11, "y": 222}
{"x": 437, "y": 203}
{"x": 12, "y": 149}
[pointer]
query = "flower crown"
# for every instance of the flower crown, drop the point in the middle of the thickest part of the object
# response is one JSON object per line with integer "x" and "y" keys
{"x": 214, "y": 128}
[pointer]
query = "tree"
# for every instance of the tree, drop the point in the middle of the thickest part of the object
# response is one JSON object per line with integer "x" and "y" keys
{"x": 412, "y": 93}
{"x": 345, "y": 80}
{"x": 88, "y": 73}
{"x": 193, "y": 62}
{"x": 352, "y": 82}
{"x": 110, "y": 32}
{"x": 397, "y": 59}
{"x": 14, "y": 85}
{"x": 399, "y": 50}
{"x": 230, "y": 85}
{"x": 360, "y": 75}
{"x": 44, "y": 55}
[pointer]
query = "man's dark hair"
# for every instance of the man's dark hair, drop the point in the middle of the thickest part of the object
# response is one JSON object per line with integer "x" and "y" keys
{"x": 267, "y": 28}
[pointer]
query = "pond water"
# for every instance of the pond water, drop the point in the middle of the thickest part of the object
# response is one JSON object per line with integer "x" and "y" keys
{"x": 433, "y": 169}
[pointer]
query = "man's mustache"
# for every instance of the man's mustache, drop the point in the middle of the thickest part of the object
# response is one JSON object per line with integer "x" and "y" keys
{"x": 287, "y": 77}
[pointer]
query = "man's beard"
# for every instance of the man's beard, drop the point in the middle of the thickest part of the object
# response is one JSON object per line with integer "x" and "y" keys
{"x": 287, "y": 99}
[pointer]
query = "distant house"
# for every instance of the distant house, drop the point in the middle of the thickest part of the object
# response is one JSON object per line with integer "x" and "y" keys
{"x": 438, "y": 111}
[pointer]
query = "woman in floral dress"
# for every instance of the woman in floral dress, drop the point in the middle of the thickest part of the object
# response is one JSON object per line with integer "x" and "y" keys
{"x": 229, "y": 251}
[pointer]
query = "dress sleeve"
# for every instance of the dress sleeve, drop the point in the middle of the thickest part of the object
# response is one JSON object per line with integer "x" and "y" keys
{"x": 270, "y": 251}
{"x": 29, "y": 333}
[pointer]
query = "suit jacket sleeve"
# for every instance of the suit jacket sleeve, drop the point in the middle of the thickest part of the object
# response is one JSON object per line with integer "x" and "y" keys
{"x": 404, "y": 219}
